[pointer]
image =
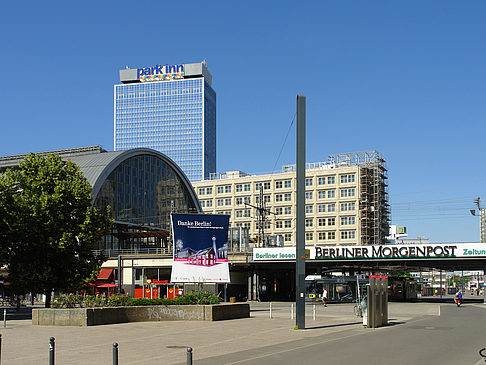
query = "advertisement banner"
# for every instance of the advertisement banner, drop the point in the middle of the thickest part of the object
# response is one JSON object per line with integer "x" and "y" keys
{"x": 200, "y": 248}
{"x": 376, "y": 252}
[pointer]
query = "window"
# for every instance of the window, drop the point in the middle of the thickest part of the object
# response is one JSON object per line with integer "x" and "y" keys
{"x": 348, "y": 235}
{"x": 331, "y": 180}
{"x": 266, "y": 199}
{"x": 278, "y": 197}
{"x": 308, "y": 195}
{"x": 246, "y": 187}
{"x": 331, "y": 235}
{"x": 288, "y": 210}
{"x": 308, "y": 181}
{"x": 288, "y": 224}
{"x": 278, "y": 224}
{"x": 321, "y": 180}
{"x": 227, "y": 201}
{"x": 220, "y": 189}
{"x": 246, "y": 225}
{"x": 203, "y": 203}
{"x": 220, "y": 202}
{"x": 287, "y": 237}
{"x": 321, "y": 236}
{"x": 331, "y": 221}
{"x": 227, "y": 189}
{"x": 347, "y": 192}
{"x": 267, "y": 225}
{"x": 309, "y": 222}
{"x": 331, "y": 207}
{"x": 321, "y": 222}
{"x": 239, "y": 213}
{"x": 347, "y": 178}
{"x": 246, "y": 213}
{"x": 278, "y": 211}
{"x": 287, "y": 183}
{"x": 309, "y": 236}
{"x": 288, "y": 197}
{"x": 321, "y": 208}
{"x": 322, "y": 194}
{"x": 309, "y": 209}
{"x": 238, "y": 200}
{"x": 278, "y": 184}
{"x": 348, "y": 207}
{"x": 202, "y": 191}
{"x": 258, "y": 186}
{"x": 246, "y": 199}
{"x": 209, "y": 203}
{"x": 331, "y": 193}
{"x": 239, "y": 188}
{"x": 345, "y": 221}
{"x": 266, "y": 185}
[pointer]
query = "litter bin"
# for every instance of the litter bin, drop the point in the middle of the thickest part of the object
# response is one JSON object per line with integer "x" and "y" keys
{"x": 232, "y": 299}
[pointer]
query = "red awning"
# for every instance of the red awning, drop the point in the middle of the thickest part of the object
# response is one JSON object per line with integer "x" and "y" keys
{"x": 106, "y": 286}
{"x": 105, "y": 274}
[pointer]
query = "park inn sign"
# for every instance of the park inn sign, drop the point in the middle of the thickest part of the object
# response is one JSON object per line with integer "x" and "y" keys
{"x": 421, "y": 251}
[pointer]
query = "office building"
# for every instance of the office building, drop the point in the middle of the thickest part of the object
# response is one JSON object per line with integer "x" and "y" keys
{"x": 171, "y": 109}
{"x": 346, "y": 201}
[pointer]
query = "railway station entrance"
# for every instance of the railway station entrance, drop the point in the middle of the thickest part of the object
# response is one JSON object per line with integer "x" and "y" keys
{"x": 272, "y": 269}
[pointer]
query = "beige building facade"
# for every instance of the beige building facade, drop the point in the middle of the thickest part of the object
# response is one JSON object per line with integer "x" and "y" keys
{"x": 346, "y": 201}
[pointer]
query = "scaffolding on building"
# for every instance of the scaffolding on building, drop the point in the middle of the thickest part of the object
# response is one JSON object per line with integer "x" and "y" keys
{"x": 374, "y": 209}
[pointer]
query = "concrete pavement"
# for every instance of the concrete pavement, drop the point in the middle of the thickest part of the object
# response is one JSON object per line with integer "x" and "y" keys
{"x": 420, "y": 333}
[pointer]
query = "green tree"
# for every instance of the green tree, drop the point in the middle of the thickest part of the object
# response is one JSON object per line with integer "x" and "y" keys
{"x": 457, "y": 281}
{"x": 48, "y": 228}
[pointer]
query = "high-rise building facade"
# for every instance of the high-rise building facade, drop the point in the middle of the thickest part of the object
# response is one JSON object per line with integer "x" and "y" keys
{"x": 346, "y": 201}
{"x": 171, "y": 109}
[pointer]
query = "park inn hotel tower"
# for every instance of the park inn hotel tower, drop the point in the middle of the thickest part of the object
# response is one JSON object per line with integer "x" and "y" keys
{"x": 346, "y": 201}
{"x": 171, "y": 109}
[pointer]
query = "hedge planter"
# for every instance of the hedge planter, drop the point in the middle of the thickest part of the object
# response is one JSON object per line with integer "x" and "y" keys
{"x": 110, "y": 315}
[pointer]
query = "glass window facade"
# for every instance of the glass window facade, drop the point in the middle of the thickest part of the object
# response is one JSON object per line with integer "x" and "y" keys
{"x": 143, "y": 190}
{"x": 177, "y": 118}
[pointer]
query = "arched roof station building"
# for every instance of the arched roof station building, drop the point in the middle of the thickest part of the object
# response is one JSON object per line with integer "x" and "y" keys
{"x": 142, "y": 186}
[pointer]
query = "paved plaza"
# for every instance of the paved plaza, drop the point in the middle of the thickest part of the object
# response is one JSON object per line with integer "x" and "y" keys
{"x": 419, "y": 333}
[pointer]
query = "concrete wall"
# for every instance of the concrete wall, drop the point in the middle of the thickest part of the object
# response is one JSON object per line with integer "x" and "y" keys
{"x": 110, "y": 315}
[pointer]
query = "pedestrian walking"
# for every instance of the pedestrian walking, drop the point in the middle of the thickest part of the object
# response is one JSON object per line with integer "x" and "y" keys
{"x": 324, "y": 297}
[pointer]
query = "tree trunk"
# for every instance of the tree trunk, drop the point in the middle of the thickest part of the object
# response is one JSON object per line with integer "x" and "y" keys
{"x": 48, "y": 299}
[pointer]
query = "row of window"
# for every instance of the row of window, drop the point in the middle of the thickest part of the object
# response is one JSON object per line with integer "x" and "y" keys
{"x": 309, "y": 195}
{"x": 309, "y": 209}
{"x": 280, "y": 184}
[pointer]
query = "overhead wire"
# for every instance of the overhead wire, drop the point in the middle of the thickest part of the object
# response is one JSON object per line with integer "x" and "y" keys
{"x": 285, "y": 141}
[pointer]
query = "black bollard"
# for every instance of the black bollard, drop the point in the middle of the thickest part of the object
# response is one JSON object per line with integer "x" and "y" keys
{"x": 51, "y": 351}
{"x": 115, "y": 353}
{"x": 0, "y": 348}
{"x": 189, "y": 356}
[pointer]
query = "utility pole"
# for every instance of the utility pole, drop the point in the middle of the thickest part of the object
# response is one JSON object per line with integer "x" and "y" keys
{"x": 482, "y": 219}
{"x": 262, "y": 213}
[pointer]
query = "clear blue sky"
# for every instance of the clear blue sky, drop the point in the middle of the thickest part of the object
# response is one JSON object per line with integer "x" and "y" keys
{"x": 405, "y": 78}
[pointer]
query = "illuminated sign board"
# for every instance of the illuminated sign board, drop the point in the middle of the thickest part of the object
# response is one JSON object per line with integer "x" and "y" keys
{"x": 159, "y": 73}
{"x": 385, "y": 252}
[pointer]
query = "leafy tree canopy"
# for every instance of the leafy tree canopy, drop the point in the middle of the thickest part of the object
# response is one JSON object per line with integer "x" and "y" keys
{"x": 48, "y": 228}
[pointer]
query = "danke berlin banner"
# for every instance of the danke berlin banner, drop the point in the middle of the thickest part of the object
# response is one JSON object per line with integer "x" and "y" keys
{"x": 200, "y": 248}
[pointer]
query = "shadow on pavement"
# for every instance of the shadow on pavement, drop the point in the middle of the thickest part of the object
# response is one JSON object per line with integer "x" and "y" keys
{"x": 334, "y": 325}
